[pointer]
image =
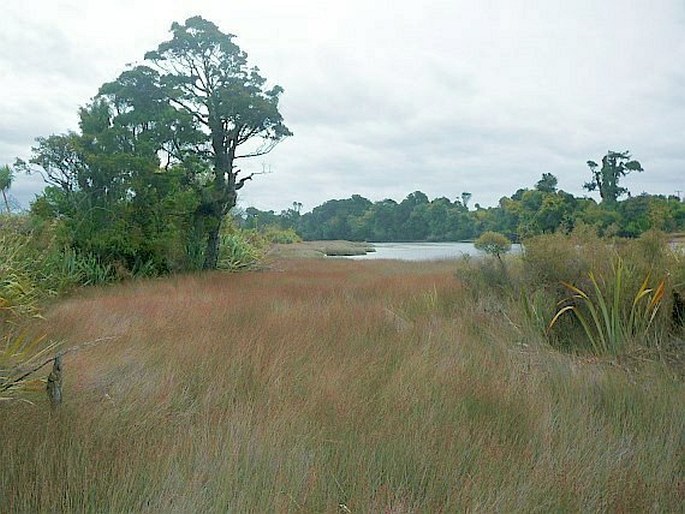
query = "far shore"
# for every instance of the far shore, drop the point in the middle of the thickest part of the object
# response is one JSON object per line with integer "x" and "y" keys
{"x": 342, "y": 248}
{"x": 320, "y": 249}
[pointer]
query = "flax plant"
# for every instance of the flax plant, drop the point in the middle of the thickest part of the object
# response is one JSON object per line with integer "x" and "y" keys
{"x": 602, "y": 312}
{"x": 240, "y": 251}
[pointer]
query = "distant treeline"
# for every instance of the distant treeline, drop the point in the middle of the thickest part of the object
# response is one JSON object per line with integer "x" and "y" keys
{"x": 530, "y": 211}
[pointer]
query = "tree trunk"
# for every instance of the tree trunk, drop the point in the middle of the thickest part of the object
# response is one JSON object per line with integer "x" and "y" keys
{"x": 212, "y": 250}
{"x": 7, "y": 204}
{"x": 224, "y": 198}
{"x": 213, "y": 233}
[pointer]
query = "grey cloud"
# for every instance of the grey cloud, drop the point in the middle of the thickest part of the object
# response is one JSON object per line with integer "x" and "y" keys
{"x": 387, "y": 100}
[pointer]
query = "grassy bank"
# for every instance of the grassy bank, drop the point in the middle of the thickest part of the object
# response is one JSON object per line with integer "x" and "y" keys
{"x": 332, "y": 387}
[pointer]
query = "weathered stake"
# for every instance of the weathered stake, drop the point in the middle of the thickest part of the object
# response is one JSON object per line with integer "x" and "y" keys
{"x": 54, "y": 387}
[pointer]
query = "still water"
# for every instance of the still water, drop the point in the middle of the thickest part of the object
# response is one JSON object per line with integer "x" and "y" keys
{"x": 419, "y": 251}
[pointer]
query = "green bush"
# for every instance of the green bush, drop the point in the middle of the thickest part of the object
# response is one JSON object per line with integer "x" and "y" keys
{"x": 618, "y": 292}
{"x": 26, "y": 280}
{"x": 274, "y": 234}
{"x": 21, "y": 276}
{"x": 550, "y": 259}
{"x": 493, "y": 243}
{"x": 240, "y": 249}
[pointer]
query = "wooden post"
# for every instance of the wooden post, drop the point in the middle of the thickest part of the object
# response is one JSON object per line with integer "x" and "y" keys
{"x": 54, "y": 387}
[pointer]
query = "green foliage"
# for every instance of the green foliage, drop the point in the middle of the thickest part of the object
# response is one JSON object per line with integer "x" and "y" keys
{"x": 416, "y": 218}
{"x": 196, "y": 102}
{"x": 25, "y": 281}
{"x": 609, "y": 325}
{"x": 550, "y": 259}
{"x": 605, "y": 289}
{"x": 240, "y": 249}
{"x": 18, "y": 293}
{"x": 615, "y": 165}
{"x": 547, "y": 184}
{"x": 274, "y": 234}
{"x": 525, "y": 214}
{"x": 120, "y": 211}
{"x": 20, "y": 275}
{"x": 493, "y": 243}
{"x": 202, "y": 77}
{"x": 85, "y": 269}
{"x": 538, "y": 307}
{"x": 6, "y": 178}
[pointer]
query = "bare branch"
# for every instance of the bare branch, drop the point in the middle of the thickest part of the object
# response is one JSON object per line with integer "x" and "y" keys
{"x": 239, "y": 185}
{"x": 263, "y": 150}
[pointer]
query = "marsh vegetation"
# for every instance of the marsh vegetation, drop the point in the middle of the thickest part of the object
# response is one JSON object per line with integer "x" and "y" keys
{"x": 378, "y": 386}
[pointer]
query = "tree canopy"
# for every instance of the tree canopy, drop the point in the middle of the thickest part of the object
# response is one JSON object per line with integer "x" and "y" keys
{"x": 615, "y": 165}
{"x": 152, "y": 173}
{"x": 201, "y": 103}
{"x": 527, "y": 212}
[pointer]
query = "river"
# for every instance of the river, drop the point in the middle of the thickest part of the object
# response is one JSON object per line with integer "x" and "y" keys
{"x": 420, "y": 251}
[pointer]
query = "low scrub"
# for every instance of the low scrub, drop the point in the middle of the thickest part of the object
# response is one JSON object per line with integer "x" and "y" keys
{"x": 277, "y": 235}
{"x": 25, "y": 283}
{"x": 584, "y": 293}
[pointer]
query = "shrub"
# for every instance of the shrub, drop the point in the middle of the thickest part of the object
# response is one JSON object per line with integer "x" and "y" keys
{"x": 25, "y": 281}
{"x": 274, "y": 234}
{"x": 19, "y": 276}
{"x": 550, "y": 259}
{"x": 493, "y": 243}
{"x": 613, "y": 292}
{"x": 240, "y": 249}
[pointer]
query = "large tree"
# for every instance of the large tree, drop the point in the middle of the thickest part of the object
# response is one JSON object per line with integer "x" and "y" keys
{"x": 615, "y": 165}
{"x": 163, "y": 138}
{"x": 6, "y": 178}
{"x": 200, "y": 106}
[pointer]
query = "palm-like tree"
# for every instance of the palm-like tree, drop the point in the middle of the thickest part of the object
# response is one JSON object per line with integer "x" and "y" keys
{"x": 6, "y": 177}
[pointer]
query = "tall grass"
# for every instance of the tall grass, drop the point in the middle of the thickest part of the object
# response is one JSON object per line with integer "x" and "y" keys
{"x": 333, "y": 386}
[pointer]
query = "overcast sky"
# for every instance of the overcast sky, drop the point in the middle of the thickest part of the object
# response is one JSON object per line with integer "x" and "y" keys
{"x": 389, "y": 97}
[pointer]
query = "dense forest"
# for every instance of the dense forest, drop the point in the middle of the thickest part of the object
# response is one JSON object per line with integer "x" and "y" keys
{"x": 540, "y": 209}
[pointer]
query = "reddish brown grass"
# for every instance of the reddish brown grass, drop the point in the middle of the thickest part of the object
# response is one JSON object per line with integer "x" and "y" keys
{"x": 380, "y": 386}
